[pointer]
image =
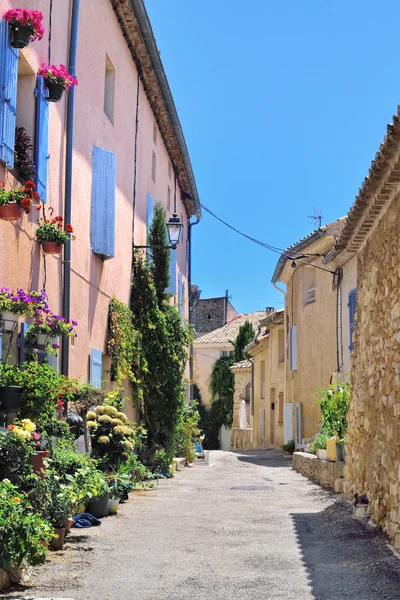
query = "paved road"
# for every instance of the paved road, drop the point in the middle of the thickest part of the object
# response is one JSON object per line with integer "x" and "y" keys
{"x": 247, "y": 527}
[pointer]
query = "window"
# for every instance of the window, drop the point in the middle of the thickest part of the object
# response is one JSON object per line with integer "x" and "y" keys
{"x": 352, "y": 315}
{"x": 8, "y": 96}
{"x": 153, "y": 167}
{"x": 262, "y": 378}
{"x": 281, "y": 346}
{"x": 261, "y": 423}
{"x": 293, "y": 348}
{"x": 309, "y": 284}
{"x": 96, "y": 367}
{"x": 227, "y": 353}
{"x": 103, "y": 203}
{"x": 109, "y": 89}
{"x": 155, "y": 133}
{"x": 169, "y": 199}
{"x": 248, "y": 392}
{"x": 280, "y": 408}
{"x": 169, "y": 169}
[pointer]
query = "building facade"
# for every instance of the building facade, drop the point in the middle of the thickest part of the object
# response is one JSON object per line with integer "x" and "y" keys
{"x": 128, "y": 153}
{"x": 208, "y": 314}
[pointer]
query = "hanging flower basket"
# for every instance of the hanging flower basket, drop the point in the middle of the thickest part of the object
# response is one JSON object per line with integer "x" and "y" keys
{"x": 10, "y": 399}
{"x": 25, "y": 26}
{"x": 10, "y": 212}
{"x": 57, "y": 80}
{"x": 41, "y": 340}
{"x": 51, "y": 247}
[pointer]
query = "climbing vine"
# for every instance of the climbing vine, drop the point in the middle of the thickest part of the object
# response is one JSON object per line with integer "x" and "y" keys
{"x": 122, "y": 346}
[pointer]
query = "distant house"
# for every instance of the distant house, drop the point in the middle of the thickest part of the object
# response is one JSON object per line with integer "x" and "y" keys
{"x": 311, "y": 324}
{"x": 213, "y": 345}
{"x": 208, "y": 314}
{"x": 371, "y": 233}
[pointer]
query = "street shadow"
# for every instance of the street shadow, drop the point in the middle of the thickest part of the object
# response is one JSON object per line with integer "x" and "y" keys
{"x": 264, "y": 458}
{"x": 345, "y": 558}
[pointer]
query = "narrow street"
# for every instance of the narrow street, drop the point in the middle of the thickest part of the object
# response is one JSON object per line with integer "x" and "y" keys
{"x": 245, "y": 527}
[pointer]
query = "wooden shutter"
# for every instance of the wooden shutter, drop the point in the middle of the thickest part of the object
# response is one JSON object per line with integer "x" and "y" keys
{"x": 293, "y": 348}
{"x": 280, "y": 408}
{"x": 103, "y": 203}
{"x": 172, "y": 274}
{"x": 8, "y": 96}
{"x": 96, "y": 367}
{"x": 42, "y": 138}
{"x": 352, "y": 312}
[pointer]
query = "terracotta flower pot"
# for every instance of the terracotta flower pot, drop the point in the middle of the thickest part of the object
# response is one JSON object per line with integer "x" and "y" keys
{"x": 56, "y": 91}
{"x": 36, "y": 460}
{"x": 68, "y": 525}
{"x": 58, "y": 542}
{"x": 20, "y": 35}
{"x": 10, "y": 212}
{"x": 51, "y": 247}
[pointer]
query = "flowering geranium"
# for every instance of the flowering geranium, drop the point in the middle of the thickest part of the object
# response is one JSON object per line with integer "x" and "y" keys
{"x": 58, "y": 75}
{"x": 25, "y": 431}
{"x": 21, "y": 302}
{"x": 52, "y": 230}
{"x": 28, "y": 18}
{"x": 25, "y": 196}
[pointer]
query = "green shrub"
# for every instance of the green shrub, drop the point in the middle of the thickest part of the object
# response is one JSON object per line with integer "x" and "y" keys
{"x": 334, "y": 403}
{"x": 289, "y": 446}
{"x": 319, "y": 443}
{"x": 21, "y": 530}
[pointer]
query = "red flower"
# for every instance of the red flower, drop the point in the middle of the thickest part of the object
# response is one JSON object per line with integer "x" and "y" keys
{"x": 60, "y": 403}
{"x": 29, "y": 184}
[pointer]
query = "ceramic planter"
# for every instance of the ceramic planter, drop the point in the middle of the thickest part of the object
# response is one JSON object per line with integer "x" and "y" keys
{"x": 36, "y": 460}
{"x": 322, "y": 454}
{"x": 98, "y": 507}
{"x": 10, "y": 212}
{"x": 51, "y": 247}
{"x": 56, "y": 91}
{"x": 58, "y": 542}
{"x": 113, "y": 505}
{"x": 10, "y": 399}
{"x": 20, "y": 35}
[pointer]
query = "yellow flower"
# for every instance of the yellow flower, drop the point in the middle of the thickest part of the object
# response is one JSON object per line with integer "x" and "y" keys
{"x": 91, "y": 416}
{"x": 117, "y": 422}
{"x": 28, "y": 425}
{"x": 122, "y": 416}
{"x": 6, "y": 481}
{"x": 16, "y": 499}
{"x": 110, "y": 410}
{"x": 103, "y": 439}
{"x": 92, "y": 425}
{"x": 104, "y": 419}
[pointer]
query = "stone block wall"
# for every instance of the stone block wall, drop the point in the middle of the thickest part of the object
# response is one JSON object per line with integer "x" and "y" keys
{"x": 373, "y": 441}
{"x": 321, "y": 471}
{"x": 211, "y": 313}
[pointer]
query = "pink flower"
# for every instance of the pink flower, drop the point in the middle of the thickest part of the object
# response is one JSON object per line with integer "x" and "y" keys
{"x": 36, "y": 436}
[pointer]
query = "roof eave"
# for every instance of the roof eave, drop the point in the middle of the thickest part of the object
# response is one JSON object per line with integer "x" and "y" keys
{"x": 292, "y": 250}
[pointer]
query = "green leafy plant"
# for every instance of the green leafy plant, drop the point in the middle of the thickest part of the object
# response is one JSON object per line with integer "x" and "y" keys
{"x": 122, "y": 344}
{"x": 14, "y": 458}
{"x": 289, "y": 446}
{"x": 160, "y": 254}
{"x": 52, "y": 230}
{"x": 22, "y": 531}
{"x": 63, "y": 499}
{"x": 319, "y": 443}
{"x": 25, "y": 196}
{"x": 243, "y": 338}
{"x": 334, "y": 404}
{"x": 187, "y": 432}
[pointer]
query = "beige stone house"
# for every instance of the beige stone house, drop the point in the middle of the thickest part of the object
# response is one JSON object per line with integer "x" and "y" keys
{"x": 309, "y": 272}
{"x": 208, "y": 348}
{"x": 372, "y": 233}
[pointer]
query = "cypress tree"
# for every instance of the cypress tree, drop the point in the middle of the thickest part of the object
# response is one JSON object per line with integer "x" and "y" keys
{"x": 160, "y": 253}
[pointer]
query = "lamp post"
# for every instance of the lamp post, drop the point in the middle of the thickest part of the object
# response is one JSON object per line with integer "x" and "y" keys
{"x": 174, "y": 228}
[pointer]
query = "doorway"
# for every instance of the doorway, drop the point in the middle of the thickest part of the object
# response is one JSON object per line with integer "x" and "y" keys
{"x": 272, "y": 418}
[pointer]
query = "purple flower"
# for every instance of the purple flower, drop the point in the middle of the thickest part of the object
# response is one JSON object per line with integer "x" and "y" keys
{"x": 74, "y": 323}
{"x": 55, "y": 346}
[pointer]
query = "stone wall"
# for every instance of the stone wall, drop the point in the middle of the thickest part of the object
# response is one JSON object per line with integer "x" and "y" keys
{"x": 373, "y": 441}
{"x": 321, "y": 471}
{"x": 210, "y": 313}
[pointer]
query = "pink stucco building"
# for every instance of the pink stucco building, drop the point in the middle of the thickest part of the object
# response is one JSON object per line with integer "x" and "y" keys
{"x": 128, "y": 153}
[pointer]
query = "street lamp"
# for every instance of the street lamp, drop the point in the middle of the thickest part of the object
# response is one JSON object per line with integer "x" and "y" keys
{"x": 174, "y": 228}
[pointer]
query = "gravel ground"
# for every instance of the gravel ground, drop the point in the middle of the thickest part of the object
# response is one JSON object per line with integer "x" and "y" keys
{"x": 245, "y": 527}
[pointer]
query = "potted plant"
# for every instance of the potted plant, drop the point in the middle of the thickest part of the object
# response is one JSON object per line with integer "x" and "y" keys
{"x": 335, "y": 402}
{"x": 289, "y": 447}
{"x": 52, "y": 236}
{"x": 23, "y": 149}
{"x": 98, "y": 504}
{"x": 62, "y": 500}
{"x": 19, "y": 302}
{"x": 318, "y": 446}
{"x": 24, "y": 25}
{"x": 21, "y": 199}
{"x": 57, "y": 80}
{"x": 10, "y": 389}
{"x": 49, "y": 326}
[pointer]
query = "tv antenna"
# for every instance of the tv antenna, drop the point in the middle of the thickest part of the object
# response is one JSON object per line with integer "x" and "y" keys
{"x": 317, "y": 217}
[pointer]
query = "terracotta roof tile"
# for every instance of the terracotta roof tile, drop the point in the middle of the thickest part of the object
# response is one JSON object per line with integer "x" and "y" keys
{"x": 223, "y": 335}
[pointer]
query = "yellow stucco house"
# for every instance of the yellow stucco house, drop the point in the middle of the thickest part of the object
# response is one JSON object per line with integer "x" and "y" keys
{"x": 313, "y": 323}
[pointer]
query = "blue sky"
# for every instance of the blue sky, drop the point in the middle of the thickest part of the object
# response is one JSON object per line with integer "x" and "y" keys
{"x": 283, "y": 106}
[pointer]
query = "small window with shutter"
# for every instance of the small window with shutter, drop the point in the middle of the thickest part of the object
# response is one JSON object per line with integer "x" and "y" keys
{"x": 103, "y": 203}
{"x": 352, "y": 304}
{"x": 42, "y": 138}
{"x": 8, "y": 96}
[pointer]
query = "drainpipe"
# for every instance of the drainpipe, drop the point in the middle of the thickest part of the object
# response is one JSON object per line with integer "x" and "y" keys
{"x": 191, "y": 368}
{"x": 285, "y": 398}
{"x": 68, "y": 181}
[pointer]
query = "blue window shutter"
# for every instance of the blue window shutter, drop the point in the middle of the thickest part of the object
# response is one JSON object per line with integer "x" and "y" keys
{"x": 103, "y": 203}
{"x": 8, "y": 95}
{"x": 42, "y": 138}
{"x": 96, "y": 367}
{"x": 172, "y": 274}
{"x": 293, "y": 348}
{"x": 24, "y": 328}
{"x": 352, "y": 312}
